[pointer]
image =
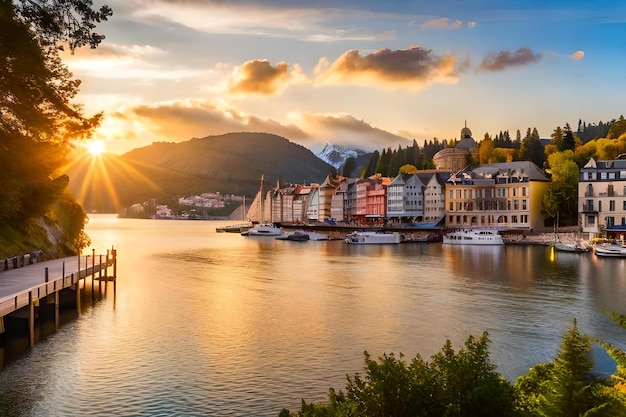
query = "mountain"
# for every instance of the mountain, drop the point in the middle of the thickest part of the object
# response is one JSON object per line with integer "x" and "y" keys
{"x": 336, "y": 155}
{"x": 229, "y": 164}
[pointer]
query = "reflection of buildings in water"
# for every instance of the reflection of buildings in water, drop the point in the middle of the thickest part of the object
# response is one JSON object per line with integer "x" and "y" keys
{"x": 605, "y": 279}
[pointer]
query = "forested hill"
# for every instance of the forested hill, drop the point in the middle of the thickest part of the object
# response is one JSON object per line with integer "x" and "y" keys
{"x": 230, "y": 163}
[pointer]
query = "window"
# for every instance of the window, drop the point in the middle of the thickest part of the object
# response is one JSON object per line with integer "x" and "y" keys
{"x": 603, "y": 175}
{"x": 591, "y": 220}
{"x": 612, "y": 205}
{"x": 524, "y": 205}
{"x": 524, "y": 192}
{"x": 515, "y": 204}
{"x": 611, "y": 175}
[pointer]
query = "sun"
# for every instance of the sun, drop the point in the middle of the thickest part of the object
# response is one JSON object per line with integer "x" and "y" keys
{"x": 95, "y": 147}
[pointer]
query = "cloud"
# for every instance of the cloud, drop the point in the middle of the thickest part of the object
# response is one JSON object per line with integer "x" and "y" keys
{"x": 113, "y": 61}
{"x": 345, "y": 129}
{"x": 471, "y": 24}
{"x": 267, "y": 18}
{"x": 578, "y": 55}
{"x": 442, "y": 23}
{"x": 506, "y": 59}
{"x": 408, "y": 68}
{"x": 260, "y": 77}
{"x": 180, "y": 120}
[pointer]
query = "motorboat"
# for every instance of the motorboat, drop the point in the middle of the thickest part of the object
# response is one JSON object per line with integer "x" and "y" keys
{"x": 266, "y": 229}
{"x": 373, "y": 238}
{"x": 303, "y": 236}
{"x": 576, "y": 247}
{"x": 613, "y": 250}
{"x": 473, "y": 237}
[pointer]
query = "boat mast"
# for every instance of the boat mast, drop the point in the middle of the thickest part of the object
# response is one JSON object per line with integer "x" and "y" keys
{"x": 261, "y": 201}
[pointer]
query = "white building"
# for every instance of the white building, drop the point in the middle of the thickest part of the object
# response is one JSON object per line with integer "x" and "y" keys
{"x": 602, "y": 198}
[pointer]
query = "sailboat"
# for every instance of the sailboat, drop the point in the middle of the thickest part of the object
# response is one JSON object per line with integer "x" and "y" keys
{"x": 263, "y": 229}
{"x": 576, "y": 247}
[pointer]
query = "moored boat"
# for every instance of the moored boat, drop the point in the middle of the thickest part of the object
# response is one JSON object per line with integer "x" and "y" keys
{"x": 304, "y": 235}
{"x": 373, "y": 238}
{"x": 576, "y": 247}
{"x": 266, "y": 229}
{"x": 473, "y": 237}
{"x": 612, "y": 250}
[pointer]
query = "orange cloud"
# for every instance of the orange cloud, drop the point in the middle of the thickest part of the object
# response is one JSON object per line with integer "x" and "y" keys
{"x": 260, "y": 77}
{"x": 506, "y": 59}
{"x": 578, "y": 55}
{"x": 441, "y": 24}
{"x": 409, "y": 68}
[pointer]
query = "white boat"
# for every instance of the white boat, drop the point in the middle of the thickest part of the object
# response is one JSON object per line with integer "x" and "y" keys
{"x": 613, "y": 250}
{"x": 373, "y": 238}
{"x": 266, "y": 229}
{"x": 473, "y": 237}
{"x": 576, "y": 247}
{"x": 263, "y": 229}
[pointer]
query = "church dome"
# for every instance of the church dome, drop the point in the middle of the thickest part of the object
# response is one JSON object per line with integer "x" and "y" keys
{"x": 466, "y": 132}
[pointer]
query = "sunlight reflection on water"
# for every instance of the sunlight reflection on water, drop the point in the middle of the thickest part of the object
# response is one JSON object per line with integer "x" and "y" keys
{"x": 218, "y": 324}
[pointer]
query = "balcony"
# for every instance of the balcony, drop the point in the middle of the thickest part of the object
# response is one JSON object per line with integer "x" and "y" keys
{"x": 588, "y": 208}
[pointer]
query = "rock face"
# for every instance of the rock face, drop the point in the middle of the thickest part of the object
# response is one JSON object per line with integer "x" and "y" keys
{"x": 336, "y": 155}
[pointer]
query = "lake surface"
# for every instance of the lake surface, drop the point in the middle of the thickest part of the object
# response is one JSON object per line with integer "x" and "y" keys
{"x": 203, "y": 323}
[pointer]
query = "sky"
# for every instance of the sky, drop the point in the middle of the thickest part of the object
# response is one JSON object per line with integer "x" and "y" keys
{"x": 367, "y": 74}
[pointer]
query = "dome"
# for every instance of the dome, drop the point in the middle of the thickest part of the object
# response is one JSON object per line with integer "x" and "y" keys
{"x": 466, "y": 132}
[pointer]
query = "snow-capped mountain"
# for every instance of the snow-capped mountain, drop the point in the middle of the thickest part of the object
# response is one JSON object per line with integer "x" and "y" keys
{"x": 336, "y": 155}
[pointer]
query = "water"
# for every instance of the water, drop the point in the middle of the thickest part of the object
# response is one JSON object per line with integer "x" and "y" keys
{"x": 222, "y": 325}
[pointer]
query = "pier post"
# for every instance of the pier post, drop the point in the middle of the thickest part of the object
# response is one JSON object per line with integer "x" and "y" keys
{"x": 56, "y": 310}
{"x": 31, "y": 319}
{"x": 46, "y": 278}
{"x": 77, "y": 294}
{"x": 106, "y": 266}
{"x": 114, "y": 263}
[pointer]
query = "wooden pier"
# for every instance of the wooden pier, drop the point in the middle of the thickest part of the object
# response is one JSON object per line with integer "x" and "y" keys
{"x": 25, "y": 289}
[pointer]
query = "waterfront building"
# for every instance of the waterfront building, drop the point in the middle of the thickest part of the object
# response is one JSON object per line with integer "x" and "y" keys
{"x": 507, "y": 195}
{"x": 434, "y": 194}
{"x": 458, "y": 157}
{"x": 405, "y": 199}
{"x": 312, "y": 204}
{"x": 602, "y": 198}
{"x": 326, "y": 192}
{"x": 339, "y": 201}
{"x": 300, "y": 203}
{"x": 286, "y": 196}
{"x": 371, "y": 201}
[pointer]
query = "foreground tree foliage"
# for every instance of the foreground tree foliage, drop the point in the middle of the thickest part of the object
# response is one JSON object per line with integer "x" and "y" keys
{"x": 566, "y": 387}
{"x": 465, "y": 383}
{"x": 461, "y": 383}
{"x": 38, "y": 119}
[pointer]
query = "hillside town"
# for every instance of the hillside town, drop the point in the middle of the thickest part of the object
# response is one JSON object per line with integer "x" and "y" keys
{"x": 507, "y": 196}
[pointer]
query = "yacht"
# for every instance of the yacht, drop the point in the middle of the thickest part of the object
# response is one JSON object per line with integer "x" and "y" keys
{"x": 473, "y": 237}
{"x": 373, "y": 237}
